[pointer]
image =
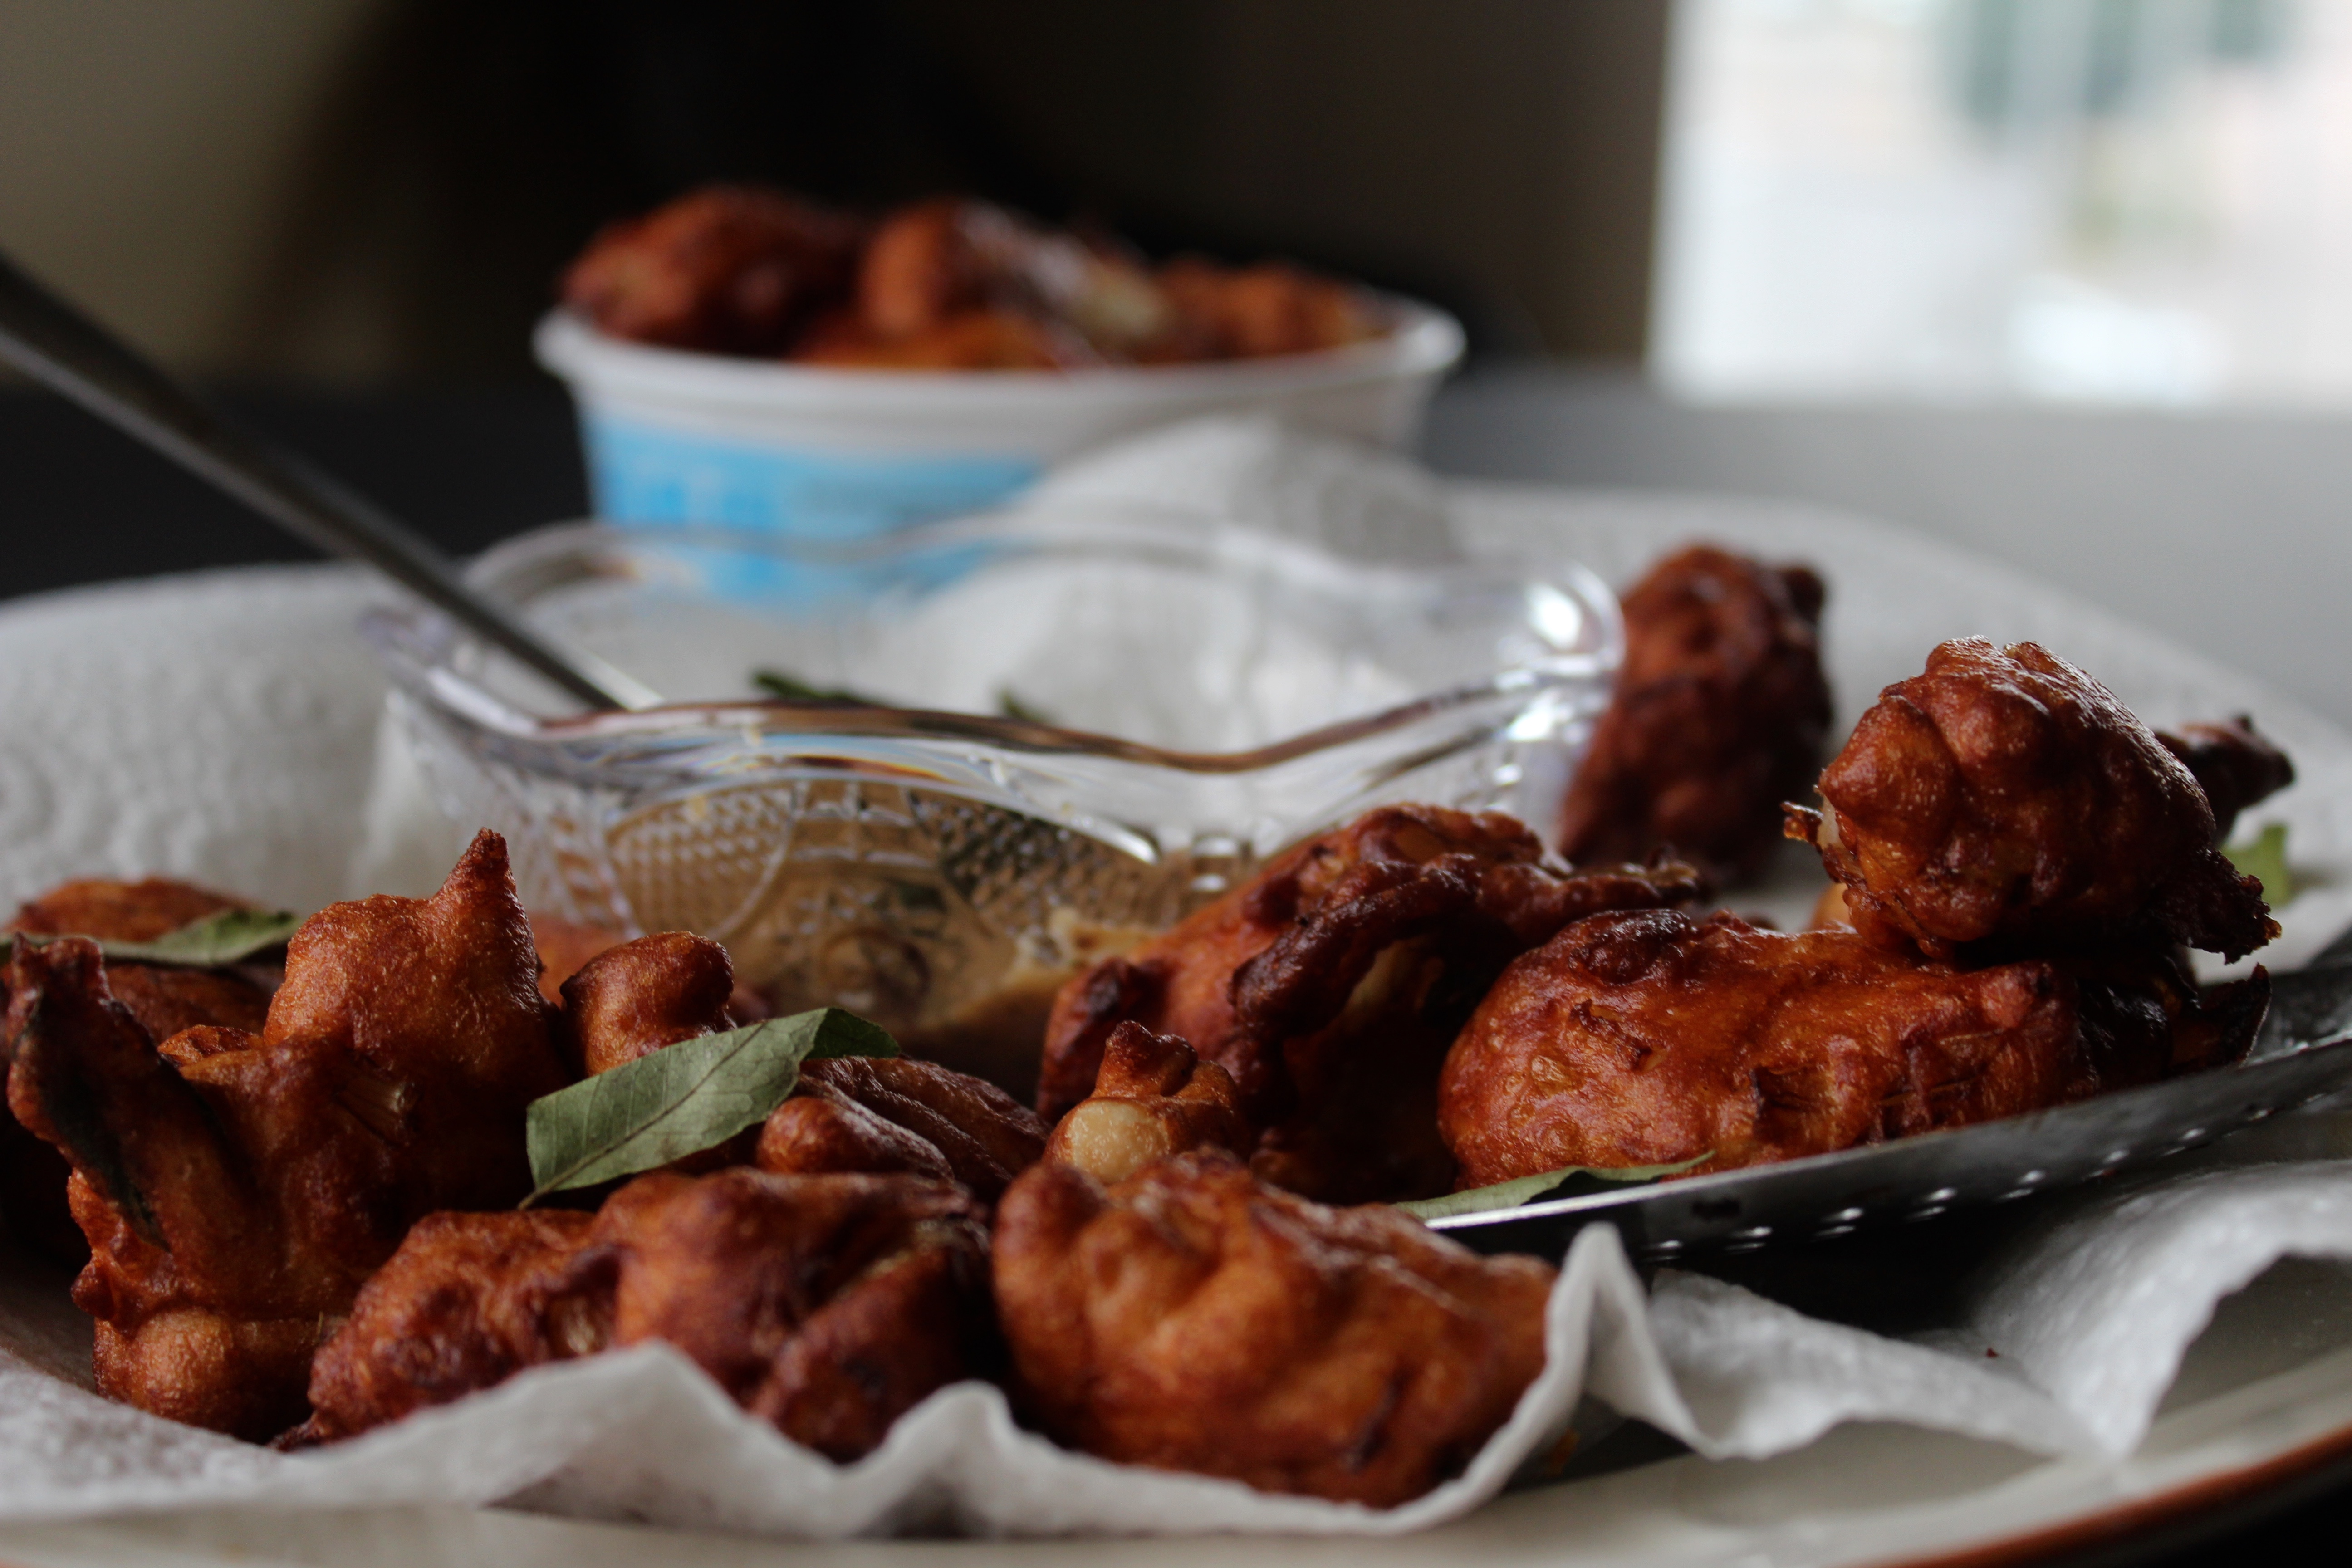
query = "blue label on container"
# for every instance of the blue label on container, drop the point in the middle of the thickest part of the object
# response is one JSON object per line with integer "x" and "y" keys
{"x": 646, "y": 474}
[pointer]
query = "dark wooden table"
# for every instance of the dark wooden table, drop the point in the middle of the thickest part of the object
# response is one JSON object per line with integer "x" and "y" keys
{"x": 80, "y": 504}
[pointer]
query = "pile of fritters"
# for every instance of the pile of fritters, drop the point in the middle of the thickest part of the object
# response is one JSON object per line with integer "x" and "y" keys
{"x": 946, "y": 284}
{"x": 1419, "y": 1003}
{"x": 299, "y": 1190}
{"x": 2021, "y": 866}
{"x": 1719, "y": 714}
{"x": 301, "y": 1220}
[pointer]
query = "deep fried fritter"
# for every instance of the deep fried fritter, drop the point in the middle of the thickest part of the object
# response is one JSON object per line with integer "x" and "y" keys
{"x": 2144, "y": 1017}
{"x": 1718, "y": 716}
{"x": 564, "y": 947}
{"x": 1330, "y": 985}
{"x": 935, "y": 264}
{"x": 729, "y": 270}
{"x": 233, "y": 1186}
{"x": 897, "y": 1113}
{"x": 1650, "y": 1039}
{"x": 2233, "y": 763}
{"x": 120, "y": 911}
{"x": 468, "y": 1301}
{"x": 202, "y": 1316}
{"x": 1273, "y": 307}
{"x": 847, "y": 1114}
{"x": 1193, "y": 1317}
{"x": 165, "y": 999}
{"x": 2005, "y": 794}
{"x": 1152, "y": 1098}
{"x": 945, "y": 284}
{"x": 828, "y": 1305}
{"x": 631, "y": 1000}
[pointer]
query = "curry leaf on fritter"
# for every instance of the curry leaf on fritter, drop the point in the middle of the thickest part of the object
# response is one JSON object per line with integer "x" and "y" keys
{"x": 683, "y": 1099}
{"x": 213, "y": 941}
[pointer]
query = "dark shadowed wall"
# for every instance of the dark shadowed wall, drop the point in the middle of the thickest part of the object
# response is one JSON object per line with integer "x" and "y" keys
{"x": 370, "y": 190}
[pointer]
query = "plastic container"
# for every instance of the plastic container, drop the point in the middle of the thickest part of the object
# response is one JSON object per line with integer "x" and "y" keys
{"x": 1189, "y": 699}
{"x": 825, "y": 453}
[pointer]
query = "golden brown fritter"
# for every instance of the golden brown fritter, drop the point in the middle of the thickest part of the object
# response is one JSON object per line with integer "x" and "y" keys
{"x": 202, "y": 1315}
{"x": 468, "y": 1301}
{"x": 847, "y": 1114}
{"x": 828, "y": 1305}
{"x": 1152, "y": 1098}
{"x": 1330, "y": 985}
{"x": 672, "y": 971}
{"x": 233, "y": 1186}
{"x": 2005, "y": 795}
{"x": 120, "y": 911}
{"x": 726, "y": 269}
{"x": 1193, "y": 1317}
{"x": 1718, "y": 716}
{"x": 2232, "y": 763}
{"x": 1650, "y": 1039}
{"x": 945, "y": 284}
{"x": 163, "y": 998}
{"x": 897, "y": 1113}
{"x": 632, "y": 999}
{"x": 564, "y": 947}
{"x": 949, "y": 264}
{"x": 1273, "y": 307}
{"x": 2144, "y": 1017}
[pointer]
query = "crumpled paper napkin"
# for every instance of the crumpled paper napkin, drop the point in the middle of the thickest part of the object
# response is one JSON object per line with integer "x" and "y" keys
{"x": 222, "y": 727}
{"x": 2090, "y": 1316}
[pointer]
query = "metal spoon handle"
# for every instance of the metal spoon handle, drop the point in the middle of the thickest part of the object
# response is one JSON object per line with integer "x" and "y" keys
{"x": 57, "y": 344}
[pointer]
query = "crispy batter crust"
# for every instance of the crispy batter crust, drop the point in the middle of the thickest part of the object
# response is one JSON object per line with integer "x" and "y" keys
{"x": 944, "y": 284}
{"x": 828, "y": 1305}
{"x": 631, "y": 1000}
{"x": 729, "y": 268}
{"x": 1152, "y": 1098}
{"x": 978, "y": 1135}
{"x": 1719, "y": 715}
{"x": 2232, "y": 763}
{"x": 1193, "y": 1318}
{"x": 2004, "y": 794}
{"x": 468, "y": 1301}
{"x": 164, "y": 1000}
{"x": 847, "y": 1114}
{"x": 259, "y": 1180}
{"x": 1330, "y": 985}
{"x": 1650, "y": 1038}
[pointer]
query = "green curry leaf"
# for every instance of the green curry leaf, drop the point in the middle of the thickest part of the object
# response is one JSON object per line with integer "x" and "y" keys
{"x": 683, "y": 1099}
{"x": 2263, "y": 857}
{"x": 229, "y": 936}
{"x": 792, "y": 689}
{"x": 1576, "y": 1179}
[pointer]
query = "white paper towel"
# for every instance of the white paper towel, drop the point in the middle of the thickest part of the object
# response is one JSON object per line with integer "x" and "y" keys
{"x": 2091, "y": 1317}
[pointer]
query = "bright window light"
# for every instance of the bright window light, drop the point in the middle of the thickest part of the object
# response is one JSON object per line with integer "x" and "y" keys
{"x": 2110, "y": 201}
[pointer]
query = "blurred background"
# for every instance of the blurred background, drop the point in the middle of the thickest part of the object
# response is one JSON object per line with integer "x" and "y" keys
{"x": 2135, "y": 201}
{"x": 2069, "y": 281}
{"x": 368, "y": 191}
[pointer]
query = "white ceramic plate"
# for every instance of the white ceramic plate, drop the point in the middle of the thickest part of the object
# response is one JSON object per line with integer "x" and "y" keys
{"x": 219, "y": 728}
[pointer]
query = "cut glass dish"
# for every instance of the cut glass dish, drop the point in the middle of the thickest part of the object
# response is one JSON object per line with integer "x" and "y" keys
{"x": 1039, "y": 736}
